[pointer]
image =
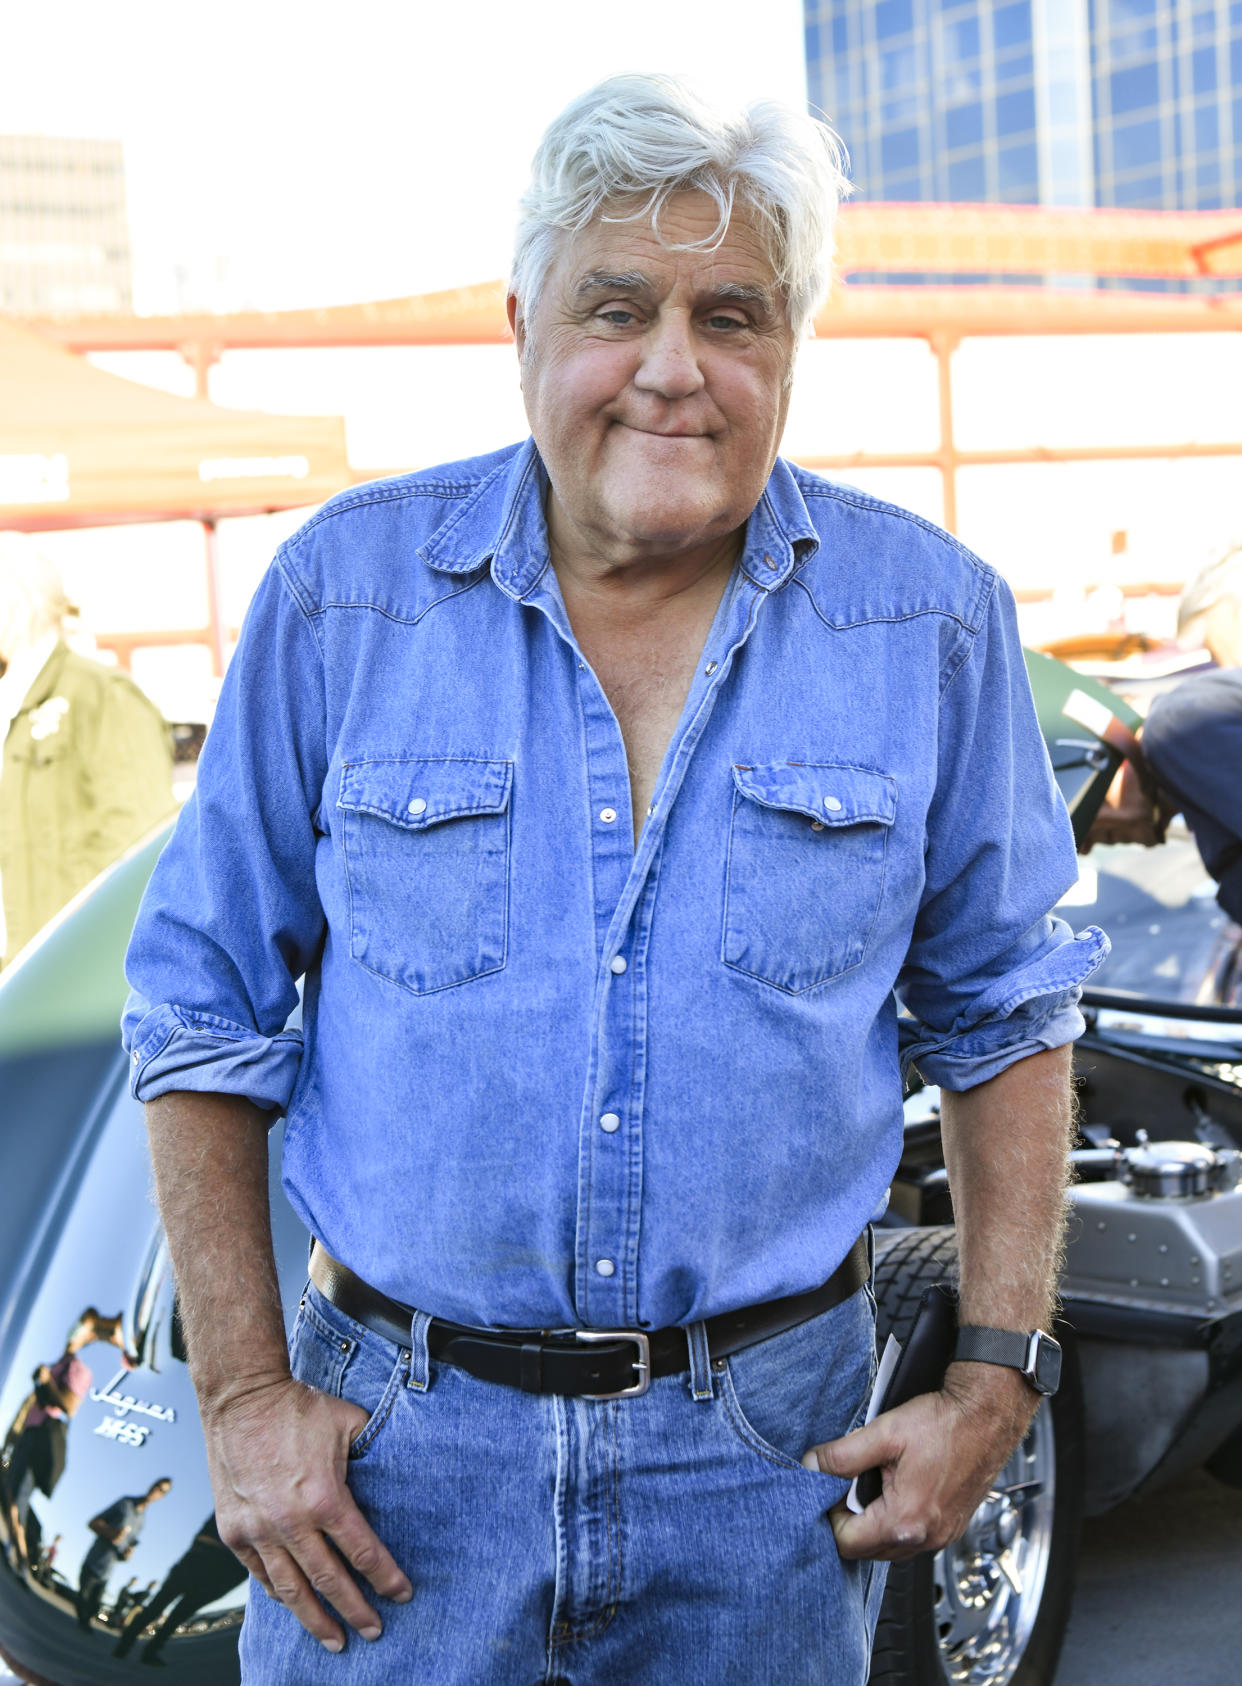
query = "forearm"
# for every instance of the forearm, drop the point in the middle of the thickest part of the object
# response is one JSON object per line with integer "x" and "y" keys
{"x": 210, "y": 1159}
{"x": 277, "y": 1450}
{"x": 1006, "y": 1146}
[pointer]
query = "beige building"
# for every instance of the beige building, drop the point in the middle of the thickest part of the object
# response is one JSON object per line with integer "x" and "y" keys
{"x": 64, "y": 237}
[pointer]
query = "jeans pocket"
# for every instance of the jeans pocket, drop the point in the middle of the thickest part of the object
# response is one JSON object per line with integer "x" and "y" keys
{"x": 804, "y": 877}
{"x": 366, "y": 1372}
{"x": 426, "y": 850}
{"x": 804, "y": 1387}
{"x": 333, "y": 1354}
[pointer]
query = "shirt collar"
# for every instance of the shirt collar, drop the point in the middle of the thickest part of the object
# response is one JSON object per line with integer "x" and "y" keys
{"x": 780, "y": 535}
{"x": 502, "y": 523}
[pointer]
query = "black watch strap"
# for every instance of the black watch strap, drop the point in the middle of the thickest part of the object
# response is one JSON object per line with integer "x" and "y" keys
{"x": 1036, "y": 1355}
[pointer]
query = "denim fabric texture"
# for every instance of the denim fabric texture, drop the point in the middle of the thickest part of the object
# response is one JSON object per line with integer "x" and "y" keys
{"x": 633, "y": 1542}
{"x": 546, "y": 1075}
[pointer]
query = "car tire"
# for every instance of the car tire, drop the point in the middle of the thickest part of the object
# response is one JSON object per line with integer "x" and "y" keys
{"x": 952, "y": 1618}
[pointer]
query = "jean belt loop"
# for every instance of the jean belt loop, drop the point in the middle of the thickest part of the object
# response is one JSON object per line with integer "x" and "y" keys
{"x": 420, "y": 1360}
{"x": 700, "y": 1361}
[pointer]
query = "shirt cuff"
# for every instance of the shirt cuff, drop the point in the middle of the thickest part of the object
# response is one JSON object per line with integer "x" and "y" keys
{"x": 173, "y": 1048}
{"x": 1024, "y": 1013}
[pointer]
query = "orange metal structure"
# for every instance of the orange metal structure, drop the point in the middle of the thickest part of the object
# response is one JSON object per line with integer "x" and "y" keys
{"x": 1065, "y": 247}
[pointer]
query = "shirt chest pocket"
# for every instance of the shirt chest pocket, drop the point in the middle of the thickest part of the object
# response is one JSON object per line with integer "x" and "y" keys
{"x": 805, "y": 872}
{"x": 426, "y": 847}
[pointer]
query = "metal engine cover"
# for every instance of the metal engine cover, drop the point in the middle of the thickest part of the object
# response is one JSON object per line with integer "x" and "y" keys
{"x": 1134, "y": 1243}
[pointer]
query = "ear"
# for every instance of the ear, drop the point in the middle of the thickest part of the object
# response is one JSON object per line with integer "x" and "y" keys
{"x": 517, "y": 322}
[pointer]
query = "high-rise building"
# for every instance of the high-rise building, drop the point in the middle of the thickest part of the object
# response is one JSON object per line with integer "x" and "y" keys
{"x": 64, "y": 237}
{"x": 1053, "y": 102}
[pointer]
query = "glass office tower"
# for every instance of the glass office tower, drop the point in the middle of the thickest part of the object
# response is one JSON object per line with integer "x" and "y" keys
{"x": 1052, "y": 102}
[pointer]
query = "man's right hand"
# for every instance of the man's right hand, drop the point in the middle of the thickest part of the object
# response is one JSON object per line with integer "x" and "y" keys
{"x": 278, "y": 1454}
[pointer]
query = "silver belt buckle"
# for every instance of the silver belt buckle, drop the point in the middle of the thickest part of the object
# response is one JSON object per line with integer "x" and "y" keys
{"x": 642, "y": 1363}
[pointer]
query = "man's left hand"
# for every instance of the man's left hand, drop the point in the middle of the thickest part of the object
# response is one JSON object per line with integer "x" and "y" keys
{"x": 938, "y": 1454}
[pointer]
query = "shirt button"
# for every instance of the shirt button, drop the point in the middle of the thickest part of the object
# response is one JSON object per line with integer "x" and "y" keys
{"x": 833, "y": 804}
{"x": 710, "y": 668}
{"x": 617, "y": 964}
{"x": 135, "y": 1058}
{"x": 771, "y": 563}
{"x": 610, "y": 1122}
{"x": 418, "y": 806}
{"x": 605, "y": 1267}
{"x": 608, "y": 815}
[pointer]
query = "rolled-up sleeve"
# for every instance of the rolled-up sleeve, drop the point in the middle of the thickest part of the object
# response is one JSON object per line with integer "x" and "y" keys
{"x": 991, "y": 974}
{"x": 231, "y": 918}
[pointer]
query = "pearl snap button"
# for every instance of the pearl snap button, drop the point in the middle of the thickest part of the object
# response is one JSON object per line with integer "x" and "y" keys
{"x": 617, "y": 964}
{"x": 608, "y": 815}
{"x": 605, "y": 1267}
{"x": 418, "y": 806}
{"x": 610, "y": 1122}
{"x": 833, "y": 804}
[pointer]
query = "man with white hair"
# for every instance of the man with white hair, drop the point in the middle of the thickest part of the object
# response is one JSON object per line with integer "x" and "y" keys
{"x": 605, "y": 789}
{"x": 85, "y": 756}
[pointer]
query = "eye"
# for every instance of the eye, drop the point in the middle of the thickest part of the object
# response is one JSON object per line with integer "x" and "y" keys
{"x": 726, "y": 324}
{"x": 617, "y": 316}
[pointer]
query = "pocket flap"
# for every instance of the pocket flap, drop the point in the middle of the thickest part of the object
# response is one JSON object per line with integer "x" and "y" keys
{"x": 833, "y": 795}
{"x": 416, "y": 793}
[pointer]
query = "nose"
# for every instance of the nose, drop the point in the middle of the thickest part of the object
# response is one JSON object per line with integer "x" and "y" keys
{"x": 669, "y": 364}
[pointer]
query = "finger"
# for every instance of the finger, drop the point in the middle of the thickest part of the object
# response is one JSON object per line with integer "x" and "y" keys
{"x": 250, "y": 1560}
{"x": 290, "y": 1587}
{"x": 333, "y": 1583}
{"x": 853, "y": 1453}
{"x": 877, "y": 1534}
{"x": 358, "y": 1543}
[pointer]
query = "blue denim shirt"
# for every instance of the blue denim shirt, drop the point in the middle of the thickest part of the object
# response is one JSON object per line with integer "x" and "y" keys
{"x": 545, "y": 1076}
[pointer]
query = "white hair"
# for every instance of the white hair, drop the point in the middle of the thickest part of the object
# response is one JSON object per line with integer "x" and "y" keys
{"x": 30, "y": 583}
{"x": 645, "y": 138}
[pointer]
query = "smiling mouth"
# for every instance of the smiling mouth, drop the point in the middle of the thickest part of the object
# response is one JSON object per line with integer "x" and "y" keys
{"x": 655, "y": 433}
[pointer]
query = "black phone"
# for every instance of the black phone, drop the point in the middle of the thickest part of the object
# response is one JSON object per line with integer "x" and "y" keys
{"x": 926, "y": 1355}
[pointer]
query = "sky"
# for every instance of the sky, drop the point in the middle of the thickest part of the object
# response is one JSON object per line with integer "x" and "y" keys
{"x": 332, "y": 153}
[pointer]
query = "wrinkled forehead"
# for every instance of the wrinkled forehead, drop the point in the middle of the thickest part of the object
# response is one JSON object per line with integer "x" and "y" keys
{"x": 681, "y": 242}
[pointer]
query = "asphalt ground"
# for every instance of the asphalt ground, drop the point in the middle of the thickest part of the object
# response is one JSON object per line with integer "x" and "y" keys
{"x": 1159, "y": 1594}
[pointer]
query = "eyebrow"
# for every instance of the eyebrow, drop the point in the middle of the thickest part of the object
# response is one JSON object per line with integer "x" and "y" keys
{"x": 599, "y": 281}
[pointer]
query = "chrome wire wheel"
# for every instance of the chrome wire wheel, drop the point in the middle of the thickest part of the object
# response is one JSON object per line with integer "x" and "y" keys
{"x": 988, "y": 1586}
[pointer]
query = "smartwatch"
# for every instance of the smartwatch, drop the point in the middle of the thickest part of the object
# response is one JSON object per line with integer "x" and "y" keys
{"x": 1036, "y": 1355}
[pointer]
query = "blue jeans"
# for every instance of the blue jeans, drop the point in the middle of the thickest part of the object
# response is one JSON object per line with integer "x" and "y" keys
{"x": 674, "y": 1537}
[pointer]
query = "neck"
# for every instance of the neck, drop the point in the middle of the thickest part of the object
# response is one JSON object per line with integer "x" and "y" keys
{"x": 640, "y": 582}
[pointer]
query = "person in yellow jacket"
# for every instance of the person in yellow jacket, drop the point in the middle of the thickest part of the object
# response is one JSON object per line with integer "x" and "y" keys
{"x": 86, "y": 757}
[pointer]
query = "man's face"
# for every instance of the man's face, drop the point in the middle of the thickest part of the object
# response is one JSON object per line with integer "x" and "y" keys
{"x": 656, "y": 382}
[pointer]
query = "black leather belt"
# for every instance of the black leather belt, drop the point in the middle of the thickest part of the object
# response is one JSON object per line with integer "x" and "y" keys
{"x": 593, "y": 1363}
